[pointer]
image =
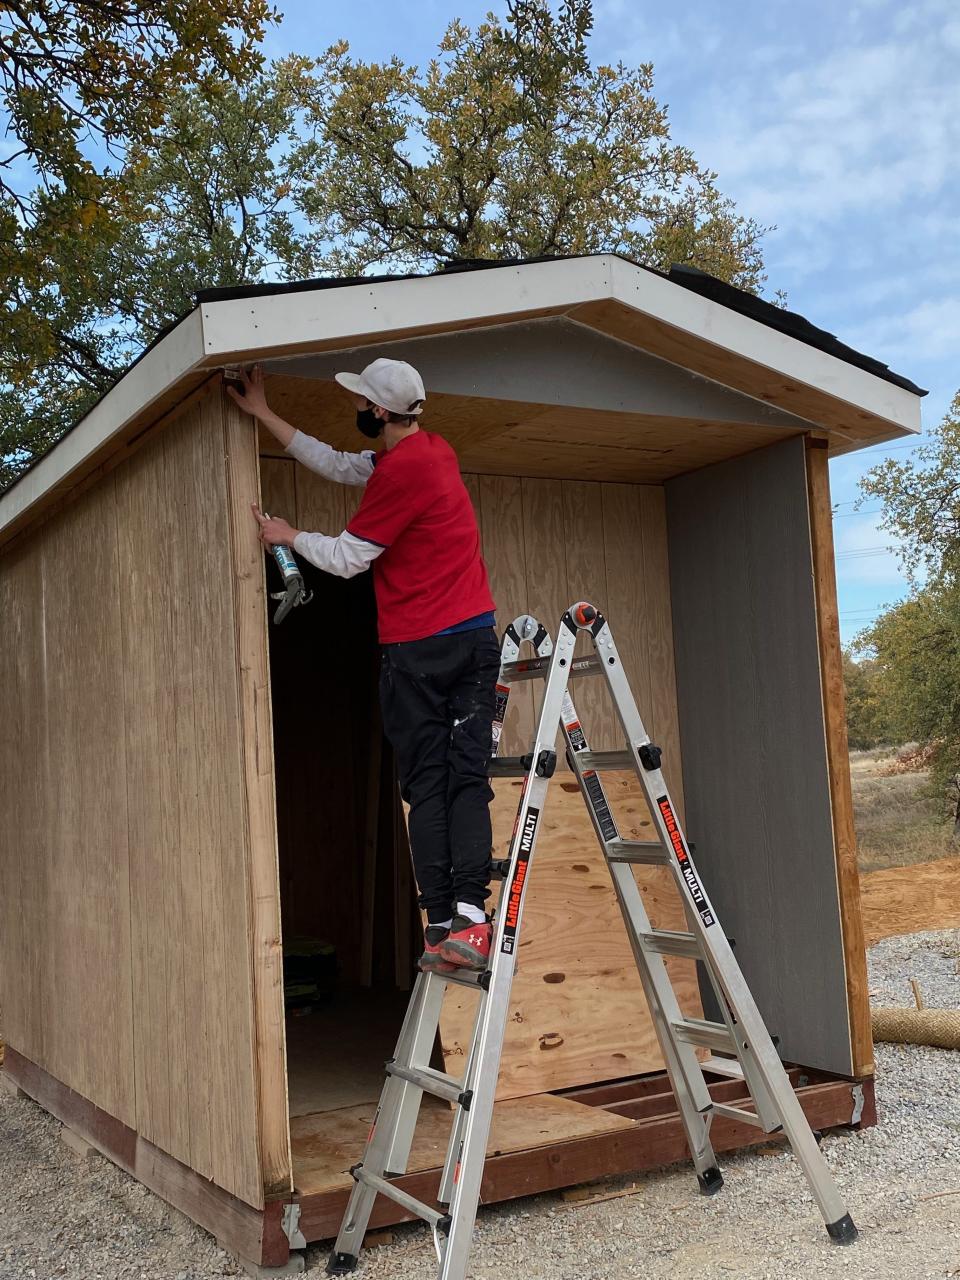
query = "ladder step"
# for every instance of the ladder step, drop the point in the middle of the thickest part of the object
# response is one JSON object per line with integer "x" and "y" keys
{"x": 508, "y": 767}
{"x": 429, "y": 1081}
{"x": 537, "y": 668}
{"x": 738, "y": 1113}
{"x": 708, "y": 1035}
{"x": 644, "y": 852}
{"x": 601, "y": 760}
{"x": 663, "y": 942}
{"x": 729, "y": 1067}
{"x": 439, "y": 1221}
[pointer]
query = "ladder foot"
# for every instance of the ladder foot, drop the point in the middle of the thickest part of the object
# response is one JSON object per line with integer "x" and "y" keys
{"x": 711, "y": 1180}
{"x": 341, "y": 1264}
{"x": 843, "y": 1230}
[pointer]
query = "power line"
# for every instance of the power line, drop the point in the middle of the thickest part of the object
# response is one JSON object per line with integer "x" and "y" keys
{"x": 891, "y": 448}
{"x": 846, "y": 515}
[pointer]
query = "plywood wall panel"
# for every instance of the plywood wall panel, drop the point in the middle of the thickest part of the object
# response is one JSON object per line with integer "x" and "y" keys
{"x": 587, "y": 580}
{"x": 278, "y": 489}
{"x": 501, "y": 523}
{"x": 320, "y": 503}
{"x": 87, "y": 941}
{"x": 578, "y": 1012}
{"x": 23, "y": 792}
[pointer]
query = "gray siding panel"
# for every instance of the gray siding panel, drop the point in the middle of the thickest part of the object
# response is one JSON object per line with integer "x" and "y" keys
{"x": 751, "y": 726}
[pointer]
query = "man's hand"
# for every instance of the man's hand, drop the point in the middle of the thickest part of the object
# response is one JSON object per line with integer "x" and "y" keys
{"x": 253, "y": 398}
{"x": 273, "y": 532}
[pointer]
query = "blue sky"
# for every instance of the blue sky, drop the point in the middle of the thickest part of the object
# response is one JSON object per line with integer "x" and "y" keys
{"x": 837, "y": 122}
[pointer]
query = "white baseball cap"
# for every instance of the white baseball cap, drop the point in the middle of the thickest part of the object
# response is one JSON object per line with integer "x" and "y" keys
{"x": 392, "y": 384}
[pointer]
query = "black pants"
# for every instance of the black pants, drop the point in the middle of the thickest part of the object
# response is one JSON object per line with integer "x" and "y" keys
{"x": 437, "y": 697}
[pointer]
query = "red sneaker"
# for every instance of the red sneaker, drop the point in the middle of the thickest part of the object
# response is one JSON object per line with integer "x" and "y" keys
{"x": 432, "y": 960}
{"x": 467, "y": 944}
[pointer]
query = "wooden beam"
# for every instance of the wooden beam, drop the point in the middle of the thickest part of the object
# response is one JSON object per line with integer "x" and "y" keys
{"x": 263, "y": 878}
{"x": 838, "y": 759}
{"x": 256, "y": 1234}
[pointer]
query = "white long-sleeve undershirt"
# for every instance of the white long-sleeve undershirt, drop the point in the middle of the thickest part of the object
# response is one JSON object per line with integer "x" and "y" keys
{"x": 345, "y": 468}
{"x": 343, "y": 554}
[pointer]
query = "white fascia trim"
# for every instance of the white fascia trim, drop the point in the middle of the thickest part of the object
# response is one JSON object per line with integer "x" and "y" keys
{"x": 175, "y": 355}
{"x": 287, "y": 320}
{"x": 742, "y": 336}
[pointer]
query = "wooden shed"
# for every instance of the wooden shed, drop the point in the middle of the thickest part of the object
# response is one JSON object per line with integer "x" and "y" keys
{"x": 186, "y": 790}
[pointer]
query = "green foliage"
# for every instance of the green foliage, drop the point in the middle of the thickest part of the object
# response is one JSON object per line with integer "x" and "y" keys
{"x": 510, "y": 143}
{"x": 921, "y": 499}
{"x": 76, "y": 70}
{"x": 866, "y": 720}
{"x": 916, "y": 644}
{"x": 915, "y": 650}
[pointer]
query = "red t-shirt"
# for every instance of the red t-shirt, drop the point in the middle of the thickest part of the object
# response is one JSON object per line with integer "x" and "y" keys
{"x": 431, "y": 575}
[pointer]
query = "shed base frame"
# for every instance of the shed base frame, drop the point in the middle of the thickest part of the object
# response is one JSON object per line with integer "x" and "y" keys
{"x": 257, "y": 1235}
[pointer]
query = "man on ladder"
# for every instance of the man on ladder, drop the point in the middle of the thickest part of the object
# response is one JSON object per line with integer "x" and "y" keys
{"x": 416, "y": 527}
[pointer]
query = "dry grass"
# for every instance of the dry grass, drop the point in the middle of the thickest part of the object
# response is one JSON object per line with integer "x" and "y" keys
{"x": 897, "y": 822}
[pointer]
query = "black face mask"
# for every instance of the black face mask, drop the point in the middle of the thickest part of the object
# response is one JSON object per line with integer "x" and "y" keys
{"x": 369, "y": 423}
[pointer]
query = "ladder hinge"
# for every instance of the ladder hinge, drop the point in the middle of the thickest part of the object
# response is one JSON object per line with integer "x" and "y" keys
{"x": 650, "y": 756}
{"x": 291, "y": 1226}
{"x": 546, "y": 765}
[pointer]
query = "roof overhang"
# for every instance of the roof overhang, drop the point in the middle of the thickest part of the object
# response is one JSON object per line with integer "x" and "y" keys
{"x": 606, "y": 293}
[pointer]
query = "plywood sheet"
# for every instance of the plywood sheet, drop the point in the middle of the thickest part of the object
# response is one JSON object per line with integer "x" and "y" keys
{"x": 577, "y": 1010}
{"x": 326, "y": 1145}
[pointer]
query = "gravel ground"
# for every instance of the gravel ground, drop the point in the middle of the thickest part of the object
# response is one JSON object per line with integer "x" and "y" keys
{"x": 902, "y": 1180}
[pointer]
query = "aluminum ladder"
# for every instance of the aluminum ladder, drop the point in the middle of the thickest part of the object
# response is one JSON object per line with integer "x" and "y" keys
{"x": 740, "y": 1044}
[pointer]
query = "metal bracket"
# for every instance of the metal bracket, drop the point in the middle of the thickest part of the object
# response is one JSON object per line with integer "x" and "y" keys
{"x": 857, "y": 1094}
{"x": 291, "y": 1226}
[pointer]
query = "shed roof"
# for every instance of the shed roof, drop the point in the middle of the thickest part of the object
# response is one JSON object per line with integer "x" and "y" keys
{"x": 685, "y": 319}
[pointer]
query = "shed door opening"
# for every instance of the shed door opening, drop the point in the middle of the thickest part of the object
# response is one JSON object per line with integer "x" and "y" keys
{"x": 348, "y": 899}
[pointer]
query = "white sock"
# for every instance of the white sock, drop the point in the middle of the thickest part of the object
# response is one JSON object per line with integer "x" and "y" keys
{"x": 476, "y": 915}
{"x": 439, "y": 924}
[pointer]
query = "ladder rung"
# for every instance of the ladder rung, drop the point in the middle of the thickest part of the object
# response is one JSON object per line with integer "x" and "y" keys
{"x": 738, "y": 1113}
{"x": 646, "y": 852}
{"x": 709, "y": 1035}
{"x": 666, "y": 943}
{"x": 507, "y": 767}
{"x": 428, "y": 1080}
{"x": 436, "y": 1219}
{"x": 605, "y": 760}
{"x": 536, "y": 669}
{"x": 729, "y": 1067}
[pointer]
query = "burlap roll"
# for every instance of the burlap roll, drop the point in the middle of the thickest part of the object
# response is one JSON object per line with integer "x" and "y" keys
{"x": 937, "y": 1027}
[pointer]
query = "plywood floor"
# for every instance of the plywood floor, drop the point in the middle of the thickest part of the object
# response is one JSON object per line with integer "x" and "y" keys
{"x": 326, "y": 1145}
{"x": 335, "y": 1055}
